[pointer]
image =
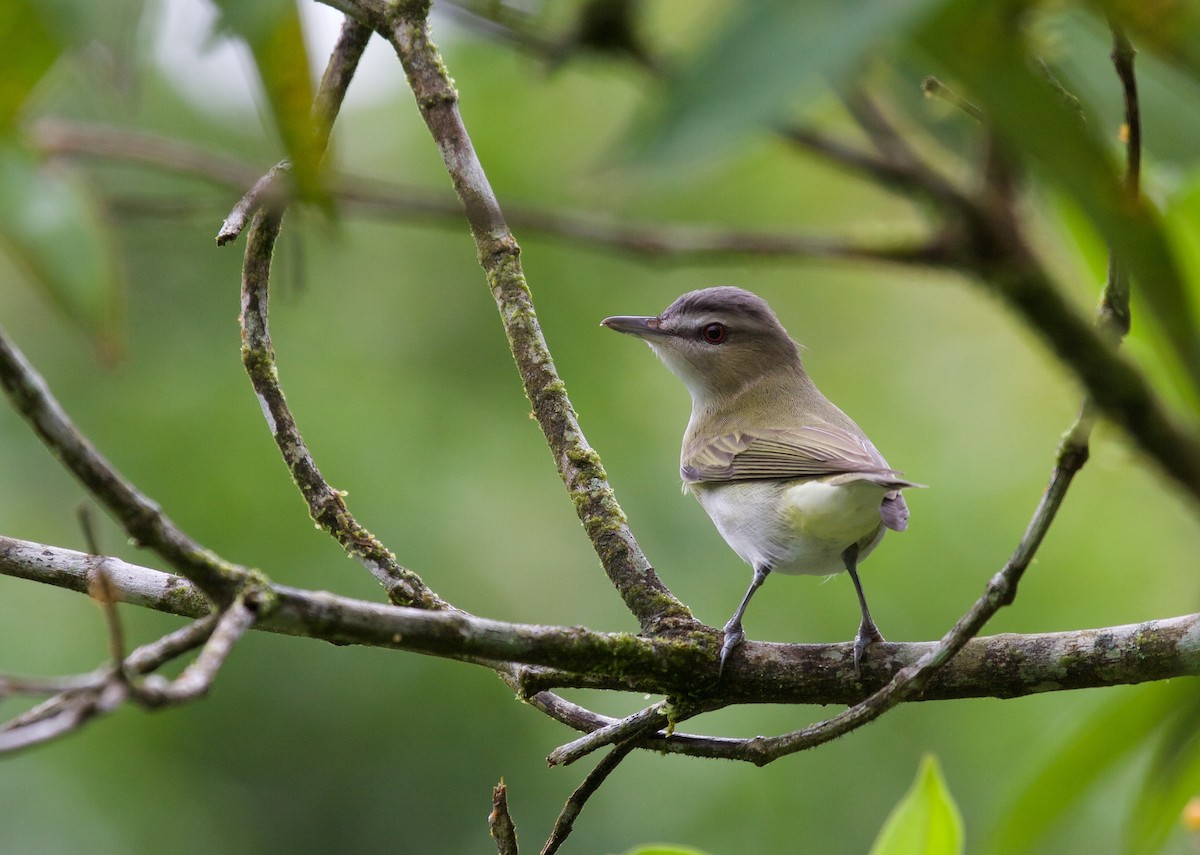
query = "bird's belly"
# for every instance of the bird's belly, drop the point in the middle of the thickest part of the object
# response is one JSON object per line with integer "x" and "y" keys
{"x": 800, "y": 526}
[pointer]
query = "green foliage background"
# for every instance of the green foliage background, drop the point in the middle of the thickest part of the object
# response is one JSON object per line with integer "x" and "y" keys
{"x": 395, "y": 364}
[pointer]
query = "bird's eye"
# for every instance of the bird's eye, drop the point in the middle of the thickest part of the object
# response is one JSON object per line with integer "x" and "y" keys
{"x": 714, "y": 333}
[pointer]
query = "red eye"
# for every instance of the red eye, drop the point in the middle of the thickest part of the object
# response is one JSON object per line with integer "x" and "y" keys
{"x": 714, "y": 333}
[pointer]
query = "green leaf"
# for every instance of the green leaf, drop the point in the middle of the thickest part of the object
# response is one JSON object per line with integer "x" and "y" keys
{"x": 1098, "y": 744}
{"x": 49, "y": 224}
{"x": 766, "y": 57}
{"x": 665, "y": 849}
{"x": 980, "y": 43}
{"x": 272, "y": 31}
{"x": 29, "y": 49}
{"x": 1172, "y": 779}
{"x": 926, "y": 821}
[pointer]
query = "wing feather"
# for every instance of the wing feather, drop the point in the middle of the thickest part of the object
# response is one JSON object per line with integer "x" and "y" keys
{"x": 784, "y": 453}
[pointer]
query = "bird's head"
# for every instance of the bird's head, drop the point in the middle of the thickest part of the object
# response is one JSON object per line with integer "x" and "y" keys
{"x": 716, "y": 340}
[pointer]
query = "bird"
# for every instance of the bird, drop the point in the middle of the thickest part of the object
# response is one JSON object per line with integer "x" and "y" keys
{"x": 791, "y": 483}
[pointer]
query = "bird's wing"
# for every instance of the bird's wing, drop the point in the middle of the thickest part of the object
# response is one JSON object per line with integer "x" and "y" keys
{"x": 785, "y": 453}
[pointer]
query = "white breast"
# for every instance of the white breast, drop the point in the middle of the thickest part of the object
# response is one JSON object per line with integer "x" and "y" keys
{"x": 798, "y": 526}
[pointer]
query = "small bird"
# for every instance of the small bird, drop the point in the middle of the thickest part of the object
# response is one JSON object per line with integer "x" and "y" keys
{"x": 789, "y": 480}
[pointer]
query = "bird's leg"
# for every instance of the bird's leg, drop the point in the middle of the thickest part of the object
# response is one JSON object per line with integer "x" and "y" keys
{"x": 733, "y": 630}
{"x": 867, "y": 631}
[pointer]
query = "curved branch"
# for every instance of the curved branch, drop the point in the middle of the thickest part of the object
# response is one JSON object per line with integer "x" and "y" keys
{"x": 579, "y": 466}
{"x": 326, "y": 505}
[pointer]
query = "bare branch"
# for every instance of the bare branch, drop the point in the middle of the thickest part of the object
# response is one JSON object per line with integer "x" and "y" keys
{"x": 996, "y": 666}
{"x": 142, "y": 518}
{"x": 198, "y": 677}
{"x": 325, "y": 504}
{"x": 268, "y": 191}
{"x": 632, "y": 727}
{"x": 646, "y": 241}
{"x": 79, "y": 699}
{"x": 573, "y": 807}
{"x": 579, "y": 466}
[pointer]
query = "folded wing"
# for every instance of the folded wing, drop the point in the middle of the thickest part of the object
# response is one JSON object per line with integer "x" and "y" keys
{"x": 806, "y": 452}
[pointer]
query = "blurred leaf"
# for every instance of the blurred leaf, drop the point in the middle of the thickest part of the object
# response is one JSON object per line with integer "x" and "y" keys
{"x": 1167, "y": 94}
{"x": 765, "y": 57}
{"x": 1171, "y": 29}
{"x": 82, "y": 23}
{"x": 1172, "y": 779}
{"x": 29, "y": 49}
{"x": 926, "y": 821}
{"x": 49, "y": 223}
{"x": 665, "y": 849}
{"x": 1182, "y": 218}
{"x": 980, "y": 43}
{"x": 1118, "y": 728}
{"x": 273, "y": 32}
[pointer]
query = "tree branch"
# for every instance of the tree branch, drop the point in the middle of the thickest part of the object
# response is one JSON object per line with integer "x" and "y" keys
{"x": 78, "y": 700}
{"x": 579, "y": 466}
{"x": 266, "y": 192}
{"x": 648, "y": 241}
{"x": 997, "y": 666}
{"x": 571, "y": 810}
{"x": 500, "y": 823}
{"x": 142, "y": 519}
{"x": 326, "y": 505}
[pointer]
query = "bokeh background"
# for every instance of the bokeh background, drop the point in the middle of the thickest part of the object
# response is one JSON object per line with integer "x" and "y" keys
{"x": 394, "y": 362}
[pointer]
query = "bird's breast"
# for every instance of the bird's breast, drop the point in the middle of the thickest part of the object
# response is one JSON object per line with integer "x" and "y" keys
{"x": 795, "y": 526}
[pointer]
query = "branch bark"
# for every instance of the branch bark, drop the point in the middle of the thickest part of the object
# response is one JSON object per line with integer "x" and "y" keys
{"x": 1004, "y": 666}
{"x": 144, "y": 520}
{"x": 654, "y": 606}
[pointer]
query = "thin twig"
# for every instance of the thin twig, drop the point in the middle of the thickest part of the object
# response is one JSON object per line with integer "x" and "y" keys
{"x": 935, "y": 88}
{"x": 270, "y": 191}
{"x": 575, "y": 804}
{"x": 196, "y": 680}
{"x": 267, "y": 192}
{"x": 644, "y": 241}
{"x": 78, "y": 700}
{"x": 631, "y": 727}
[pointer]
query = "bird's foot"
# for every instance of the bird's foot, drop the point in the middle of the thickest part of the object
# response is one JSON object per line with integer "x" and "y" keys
{"x": 733, "y": 637}
{"x": 868, "y": 634}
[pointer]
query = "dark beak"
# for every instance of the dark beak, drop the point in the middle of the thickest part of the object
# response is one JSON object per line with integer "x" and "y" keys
{"x": 634, "y": 325}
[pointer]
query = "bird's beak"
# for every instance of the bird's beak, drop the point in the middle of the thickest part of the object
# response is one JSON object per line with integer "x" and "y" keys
{"x": 634, "y": 325}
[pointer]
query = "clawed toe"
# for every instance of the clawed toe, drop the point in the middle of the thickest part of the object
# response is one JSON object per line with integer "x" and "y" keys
{"x": 868, "y": 634}
{"x": 733, "y": 637}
